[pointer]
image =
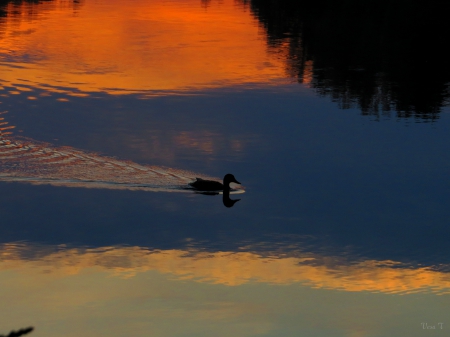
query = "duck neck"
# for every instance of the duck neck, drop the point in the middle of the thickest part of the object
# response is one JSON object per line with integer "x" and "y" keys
{"x": 226, "y": 185}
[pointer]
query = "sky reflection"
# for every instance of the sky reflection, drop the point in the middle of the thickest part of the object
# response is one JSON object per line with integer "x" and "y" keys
{"x": 114, "y": 290}
{"x": 231, "y": 268}
{"x": 149, "y": 47}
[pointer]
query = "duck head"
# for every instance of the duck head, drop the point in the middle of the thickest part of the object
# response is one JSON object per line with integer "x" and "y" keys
{"x": 229, "y": 178}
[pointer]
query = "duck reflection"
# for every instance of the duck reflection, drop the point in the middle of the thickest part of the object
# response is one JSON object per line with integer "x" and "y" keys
{"x": 40, "y": 163}
{"x": 227, "y": 201}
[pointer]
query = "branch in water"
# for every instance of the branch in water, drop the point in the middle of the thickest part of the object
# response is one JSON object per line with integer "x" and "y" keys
{"x": 19, "y": 332}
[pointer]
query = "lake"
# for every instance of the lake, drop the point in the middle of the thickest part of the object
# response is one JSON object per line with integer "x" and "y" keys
{"x": 334, "y": 117}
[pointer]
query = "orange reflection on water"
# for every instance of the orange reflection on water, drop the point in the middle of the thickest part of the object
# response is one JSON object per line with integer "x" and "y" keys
{"x": 308, "y": 73}
{"x": 230, "y": 268}
{"x": 147, "y": 46}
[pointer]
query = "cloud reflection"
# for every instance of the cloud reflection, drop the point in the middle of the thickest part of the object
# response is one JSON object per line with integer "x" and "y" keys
{"x": 229, "y": 267}
{"x": 151, "y": 47}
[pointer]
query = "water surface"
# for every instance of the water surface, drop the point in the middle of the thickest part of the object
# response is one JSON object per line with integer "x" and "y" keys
{"x": 109, "y": 105}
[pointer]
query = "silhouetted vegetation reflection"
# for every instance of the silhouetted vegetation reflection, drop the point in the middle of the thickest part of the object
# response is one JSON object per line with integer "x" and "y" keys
{"x": 18, "y": 11}
{"x": 378, "y": 56}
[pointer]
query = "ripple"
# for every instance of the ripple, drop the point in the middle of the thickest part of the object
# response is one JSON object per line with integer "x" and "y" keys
{"x": 40, "y": 163}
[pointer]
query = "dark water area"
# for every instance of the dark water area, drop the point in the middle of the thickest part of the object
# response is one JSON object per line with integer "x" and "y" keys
{"x": 384, "y": 188}
{"x": 332, "y": 114}
{"x": 388, "y": 202}
{"x": 387, "y": 58}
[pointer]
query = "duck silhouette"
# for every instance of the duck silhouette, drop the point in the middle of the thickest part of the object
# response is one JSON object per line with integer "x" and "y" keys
{"x": 212, "y": 185}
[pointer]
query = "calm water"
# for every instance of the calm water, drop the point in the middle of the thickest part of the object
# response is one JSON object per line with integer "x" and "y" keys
{"x": 338, "y": 135}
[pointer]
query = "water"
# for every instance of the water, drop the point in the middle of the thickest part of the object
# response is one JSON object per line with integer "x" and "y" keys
{"x": 341, "y": 148}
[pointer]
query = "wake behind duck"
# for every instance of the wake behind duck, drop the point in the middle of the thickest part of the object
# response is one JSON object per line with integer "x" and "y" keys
{"x": 32, "y": 162}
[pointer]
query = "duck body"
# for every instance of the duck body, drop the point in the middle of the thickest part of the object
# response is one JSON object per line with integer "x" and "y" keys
{"x": 206, "y": 185}
{"x": 212, "y": 185}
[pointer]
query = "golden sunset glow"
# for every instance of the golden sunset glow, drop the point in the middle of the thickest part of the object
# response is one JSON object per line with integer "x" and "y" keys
{"x": 186, "y": 47}
{"x": 232, "y": 268}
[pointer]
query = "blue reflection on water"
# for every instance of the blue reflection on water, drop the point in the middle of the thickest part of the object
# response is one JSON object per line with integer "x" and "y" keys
{"x": 377, "y": 189}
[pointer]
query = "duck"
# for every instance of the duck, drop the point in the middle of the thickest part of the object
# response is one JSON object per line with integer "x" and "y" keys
{"x": 212, "y": 185}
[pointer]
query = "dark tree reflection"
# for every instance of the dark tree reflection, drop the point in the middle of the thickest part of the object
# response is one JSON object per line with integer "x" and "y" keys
{"x": 17, "y": 10}
{"x": 379, "y": 56}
